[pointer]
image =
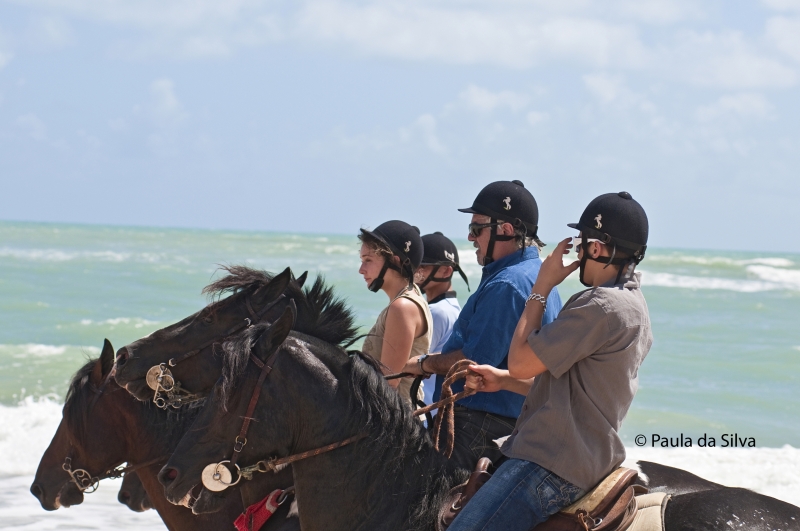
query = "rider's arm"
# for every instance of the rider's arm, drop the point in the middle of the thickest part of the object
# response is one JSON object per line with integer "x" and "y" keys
{"x": 523, "y": 362}
{"x": 488, "y": 379}
{"x": 403, "y": 324}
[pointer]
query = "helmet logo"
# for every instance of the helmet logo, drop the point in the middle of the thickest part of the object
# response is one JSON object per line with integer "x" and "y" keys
{"x": 507, "y": 202}
{"x": 597, "y": 219}
{"x": 450, "y": 256}
{"x": 408, "y": 246}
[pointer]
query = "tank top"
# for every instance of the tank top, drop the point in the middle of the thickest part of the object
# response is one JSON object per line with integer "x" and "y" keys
{"x": 373, "y": 344}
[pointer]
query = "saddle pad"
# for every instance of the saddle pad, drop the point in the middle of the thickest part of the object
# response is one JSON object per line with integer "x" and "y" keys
{"x": 650, "y": 516}
{"x": 589, "y": 502}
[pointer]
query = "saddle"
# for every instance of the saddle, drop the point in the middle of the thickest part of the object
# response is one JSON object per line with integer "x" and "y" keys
{"x": 610, "y": 506}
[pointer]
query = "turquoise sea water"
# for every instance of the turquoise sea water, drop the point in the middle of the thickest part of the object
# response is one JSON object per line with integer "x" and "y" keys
{"x": 726, "y": 357}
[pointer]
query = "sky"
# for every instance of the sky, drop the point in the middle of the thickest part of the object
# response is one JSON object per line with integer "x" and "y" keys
{"x": 326, "y": 116}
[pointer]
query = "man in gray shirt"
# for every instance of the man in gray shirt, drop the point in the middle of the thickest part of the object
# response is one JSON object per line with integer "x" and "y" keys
{"x": 580, "y": 374}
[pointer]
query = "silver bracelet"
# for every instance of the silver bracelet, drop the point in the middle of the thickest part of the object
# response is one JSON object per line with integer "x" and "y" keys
{"x": 537, "y": 297}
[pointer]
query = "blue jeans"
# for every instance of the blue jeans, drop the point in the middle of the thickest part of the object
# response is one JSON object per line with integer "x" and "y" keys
{"x": 519, "y": 496}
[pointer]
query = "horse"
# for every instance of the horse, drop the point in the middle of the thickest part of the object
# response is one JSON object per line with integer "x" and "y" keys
{"x": 360, "y": 457}
{"x": 132, "y": 493}
{"x": 187, "y": 348}
{"x": 101, "y": 427}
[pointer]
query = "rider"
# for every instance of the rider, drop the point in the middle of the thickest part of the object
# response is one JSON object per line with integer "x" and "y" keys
{"x": 434, "y": 277}
{"x": 585, "y": 365}
{"x": 503, "y": 229}
{"x": 390, "y": 255}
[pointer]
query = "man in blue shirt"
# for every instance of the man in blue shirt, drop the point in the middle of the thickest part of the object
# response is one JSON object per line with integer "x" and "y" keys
{"x": 503, "y": 230}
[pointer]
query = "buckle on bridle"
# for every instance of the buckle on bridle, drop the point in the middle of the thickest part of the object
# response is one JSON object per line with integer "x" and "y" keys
{"x": 239, "y": 444}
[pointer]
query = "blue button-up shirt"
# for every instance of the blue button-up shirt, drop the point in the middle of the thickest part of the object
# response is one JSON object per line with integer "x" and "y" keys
{"x": 487, "y": 322}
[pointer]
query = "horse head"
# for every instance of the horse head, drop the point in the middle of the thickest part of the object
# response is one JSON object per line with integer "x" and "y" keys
{"x": 182, "y": 355}
{"x": 132, "y": 493}
{"x": 89, "y": 440}
{"x": 216, "y": 428}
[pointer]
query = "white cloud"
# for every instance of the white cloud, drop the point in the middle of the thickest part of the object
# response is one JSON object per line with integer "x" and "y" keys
{"x": 784, "y": 33}
{"x": 32, "y": 125}
{"x": 517, "y": 37}
{"x": 742, "y": 105}
{"x": 166, "y": 109}
{"x": 536, "y": 117}
{"x": 50, "y": 32}
{"x": 484, "y": 100}
{"x": 425, "y": 126}
{"x": 604, "y": 86}
{"x": 782, "y": 5}
{"x": 725, "y": 60}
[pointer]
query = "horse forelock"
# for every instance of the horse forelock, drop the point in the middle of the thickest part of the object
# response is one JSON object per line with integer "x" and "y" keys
{"x": 76, "y": 405}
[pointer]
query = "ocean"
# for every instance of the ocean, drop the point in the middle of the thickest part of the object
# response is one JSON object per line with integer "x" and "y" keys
{"x": 725, "y": 363}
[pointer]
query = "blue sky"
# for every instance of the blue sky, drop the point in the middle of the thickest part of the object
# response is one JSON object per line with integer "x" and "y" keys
{"x": 330, "y": 115}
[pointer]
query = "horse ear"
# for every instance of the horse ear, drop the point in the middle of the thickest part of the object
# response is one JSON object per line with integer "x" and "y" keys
{"x": 301, "y": 280}
{"x": 275, "y": 287}
{"x": 276, "y": 334}
{"x": 107, "y": 357}
{"x": 104, "y": 364}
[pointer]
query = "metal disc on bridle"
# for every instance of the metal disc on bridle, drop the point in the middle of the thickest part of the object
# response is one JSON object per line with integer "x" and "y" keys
{"x": 152, "y": 377}
{"x": 217, "y": 477}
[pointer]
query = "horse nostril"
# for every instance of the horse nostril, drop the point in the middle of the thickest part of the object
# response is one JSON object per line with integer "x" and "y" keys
{"x": 124, "y": 497}
{"x": 167, "y": 476}
{"x": 122, "y": 356}
{"x": 37, "y": 491}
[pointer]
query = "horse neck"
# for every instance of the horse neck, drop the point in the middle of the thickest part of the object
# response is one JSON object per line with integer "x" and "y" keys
{"x": 334, "y": 494}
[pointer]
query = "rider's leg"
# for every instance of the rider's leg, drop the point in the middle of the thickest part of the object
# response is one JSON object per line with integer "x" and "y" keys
{"x": 519, "y": 496}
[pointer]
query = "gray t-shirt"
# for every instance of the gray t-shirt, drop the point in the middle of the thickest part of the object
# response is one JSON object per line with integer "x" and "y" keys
{"x": 571, "y": 417}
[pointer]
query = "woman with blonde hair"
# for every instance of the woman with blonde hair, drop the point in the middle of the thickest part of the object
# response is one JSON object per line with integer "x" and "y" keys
{"x": 390, "y": 255}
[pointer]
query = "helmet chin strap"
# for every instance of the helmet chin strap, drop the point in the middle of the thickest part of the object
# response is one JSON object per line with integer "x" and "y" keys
{"x": 430, "y": 278}
{"x": 493, "y": 236}
{"x": 377, "y": 283}
{"x": 623, "y": 263}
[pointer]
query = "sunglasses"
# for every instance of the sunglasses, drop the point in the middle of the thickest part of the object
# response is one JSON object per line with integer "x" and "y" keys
{"x": 577, "y": 240}
{"x": 475, "y": 229}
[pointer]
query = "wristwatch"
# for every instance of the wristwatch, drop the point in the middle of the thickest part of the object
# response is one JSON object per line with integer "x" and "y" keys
{"x": 419, "y": 362}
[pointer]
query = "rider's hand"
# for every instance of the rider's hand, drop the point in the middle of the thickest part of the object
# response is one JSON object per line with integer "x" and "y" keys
{"x": 412, "y": 367}
{"x": 553, "y": 271}
{"x": 485, "y": 378}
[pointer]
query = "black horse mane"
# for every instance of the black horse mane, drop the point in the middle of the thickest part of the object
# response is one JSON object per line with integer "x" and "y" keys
{"x": 395, "y": 434}
{"x": 320, "y": 313}
{"x": 81, "y": 393}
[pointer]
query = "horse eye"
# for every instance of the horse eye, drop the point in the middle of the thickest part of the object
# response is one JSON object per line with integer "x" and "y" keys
{"x": 208, "y": 318}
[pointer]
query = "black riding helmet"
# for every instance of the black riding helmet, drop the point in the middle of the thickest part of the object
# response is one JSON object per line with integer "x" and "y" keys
{"x": 405, "y": 242}
{"x": 617, "y": 220}
{"x": 439, "y": 251}
{"x": 511, "y": 202}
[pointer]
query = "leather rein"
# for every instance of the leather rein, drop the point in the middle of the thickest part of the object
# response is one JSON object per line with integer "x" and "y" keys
{"x": 217, "y": 477}
{"x": 167, "y": 391}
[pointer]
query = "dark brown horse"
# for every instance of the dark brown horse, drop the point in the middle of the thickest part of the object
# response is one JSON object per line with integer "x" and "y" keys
{"x": 189, "y": 347}
{"x": 133, "y": 494}
{"x": 390, "y": 479}
{"x": 103, "y": 427}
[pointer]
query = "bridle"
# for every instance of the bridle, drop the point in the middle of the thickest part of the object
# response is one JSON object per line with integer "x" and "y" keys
{"x": 217, "y": 477}
{"x": 82, "y": 478}
{"x": 167, "y": 391}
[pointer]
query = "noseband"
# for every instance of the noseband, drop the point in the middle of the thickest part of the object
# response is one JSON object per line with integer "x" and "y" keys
{"x": 167, "y": 391}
